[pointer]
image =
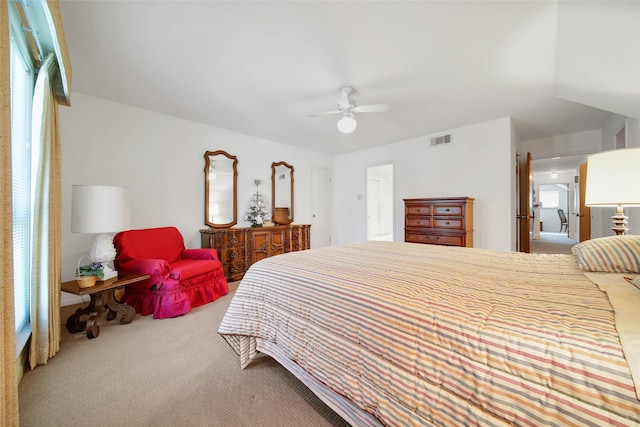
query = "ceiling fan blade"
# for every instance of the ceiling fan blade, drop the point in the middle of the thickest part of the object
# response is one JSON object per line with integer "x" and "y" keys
{"x": 373, "y": 108}
{"x": 326, "y": 113}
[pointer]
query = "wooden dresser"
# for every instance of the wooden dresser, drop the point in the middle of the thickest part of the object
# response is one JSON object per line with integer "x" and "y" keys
{"x": 238, "y": 248}
{"x": 442, "y": 221}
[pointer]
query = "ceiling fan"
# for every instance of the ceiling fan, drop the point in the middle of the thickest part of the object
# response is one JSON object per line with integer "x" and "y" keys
{"x": 347, "y": 107}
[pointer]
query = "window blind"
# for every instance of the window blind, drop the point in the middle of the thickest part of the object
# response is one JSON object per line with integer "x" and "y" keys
{"x": 22, "y": 83}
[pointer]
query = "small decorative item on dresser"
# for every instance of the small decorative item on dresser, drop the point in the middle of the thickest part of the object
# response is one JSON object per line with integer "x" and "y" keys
{"x": 257, "y": 212}
{"x": 87, "y": 275}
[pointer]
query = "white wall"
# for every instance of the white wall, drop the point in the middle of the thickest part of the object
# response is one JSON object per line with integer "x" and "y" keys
{"x": 572, "y": 144}
{"x": 601, "y": 217}
{"x": 478, "y": 163}
{"x": 160, "y": 159}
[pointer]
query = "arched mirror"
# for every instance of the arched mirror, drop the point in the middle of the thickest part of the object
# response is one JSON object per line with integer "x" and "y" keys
{"x": 220, "y": 189}
{"x": 282, "y": 192}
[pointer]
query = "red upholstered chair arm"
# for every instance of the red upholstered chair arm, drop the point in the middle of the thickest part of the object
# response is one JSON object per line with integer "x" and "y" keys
{"x": 204, "y": 253}
{"x": 158, "y": 268}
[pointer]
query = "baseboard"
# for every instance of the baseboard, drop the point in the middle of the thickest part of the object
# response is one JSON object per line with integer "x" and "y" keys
{"x": 70, "y": 299}
{"x": 22, "y": 361}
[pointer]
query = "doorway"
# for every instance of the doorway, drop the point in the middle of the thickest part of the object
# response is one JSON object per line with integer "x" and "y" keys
{"x": 556, "y": 184}
{"x": 553, "y": 198}
{"x": 380, "y": 202}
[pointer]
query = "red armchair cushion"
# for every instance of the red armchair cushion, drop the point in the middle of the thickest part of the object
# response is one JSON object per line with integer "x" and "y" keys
{"x": 203, "y": 253}
{"x": 161, "y": 243}
{"x": 187, "y": 268}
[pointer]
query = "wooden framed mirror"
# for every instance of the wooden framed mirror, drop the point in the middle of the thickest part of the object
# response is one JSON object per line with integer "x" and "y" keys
{"x": 220, "y": 189}
{"x": 282, "y": 192}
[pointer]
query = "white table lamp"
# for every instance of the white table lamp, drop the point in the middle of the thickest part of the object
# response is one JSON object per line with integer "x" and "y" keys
{"x": 101, "y": 210}
{"x": 613, "y": 179}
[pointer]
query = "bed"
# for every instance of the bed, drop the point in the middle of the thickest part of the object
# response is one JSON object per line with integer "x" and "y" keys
{"x": 394, "y": 333}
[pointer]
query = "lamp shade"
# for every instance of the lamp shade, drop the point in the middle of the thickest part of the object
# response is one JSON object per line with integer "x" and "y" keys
{"x": 613, "y": 178}
{"x": 99, "y": 209}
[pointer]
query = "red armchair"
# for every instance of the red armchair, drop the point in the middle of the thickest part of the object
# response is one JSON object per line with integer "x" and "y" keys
{"x": 181, "y": 279}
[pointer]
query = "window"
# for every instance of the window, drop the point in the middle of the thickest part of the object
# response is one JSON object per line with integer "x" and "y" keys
{"x": 22, "y": 85}
{"x": 550, "y": 198}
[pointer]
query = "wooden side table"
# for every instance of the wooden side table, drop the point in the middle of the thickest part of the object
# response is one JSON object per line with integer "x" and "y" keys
{"x": 102, "y": 298}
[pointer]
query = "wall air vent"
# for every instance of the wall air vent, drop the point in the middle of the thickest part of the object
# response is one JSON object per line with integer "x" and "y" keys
{"x": 444, "y": 139}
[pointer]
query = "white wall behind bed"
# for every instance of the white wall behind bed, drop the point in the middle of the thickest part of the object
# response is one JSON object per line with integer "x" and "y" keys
{"x": 478, "y": 163}
{"x": 160, "y": 159}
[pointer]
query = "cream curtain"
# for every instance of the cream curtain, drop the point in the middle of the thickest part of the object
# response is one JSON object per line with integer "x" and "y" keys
{"x": 8, "y": 374}
{"x": 46, "y": 225}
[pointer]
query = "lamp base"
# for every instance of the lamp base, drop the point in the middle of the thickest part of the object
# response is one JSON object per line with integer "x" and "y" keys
{"x": 620, "y": 221}
{"x": 104, "y": 252}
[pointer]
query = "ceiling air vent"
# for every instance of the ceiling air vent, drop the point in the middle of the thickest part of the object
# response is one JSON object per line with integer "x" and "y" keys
{"x": 444, "y": 139}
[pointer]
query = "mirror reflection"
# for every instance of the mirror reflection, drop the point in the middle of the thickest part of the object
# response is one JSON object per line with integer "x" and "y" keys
{"x": 282, "y": 192}
{"x": 220, "y": 193}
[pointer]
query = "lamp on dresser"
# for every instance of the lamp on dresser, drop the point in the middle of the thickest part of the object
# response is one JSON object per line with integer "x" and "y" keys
{"x": 101, "y": 210}
{"x": 613, "y": 179}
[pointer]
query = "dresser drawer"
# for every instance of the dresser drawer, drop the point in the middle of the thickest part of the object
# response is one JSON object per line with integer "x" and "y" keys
{"x": 417, "y": 221}
{"x": 234, "y": 238}
{"x": 447, "y": 210}
{"x": 235, "y": 270}
{"x": 418, "y": 210}
{"x": 435, "y": 239}
{"x": 448, "y": 223}
{"x": 232, "y": 253}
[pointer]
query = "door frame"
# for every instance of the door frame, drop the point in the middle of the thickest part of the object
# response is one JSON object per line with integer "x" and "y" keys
{"x": 524, "y": 189}
{"x": 392, "y": 201}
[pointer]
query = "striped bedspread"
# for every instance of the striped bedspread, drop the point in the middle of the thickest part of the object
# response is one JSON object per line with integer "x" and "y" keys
{"x": 431, "y": 335}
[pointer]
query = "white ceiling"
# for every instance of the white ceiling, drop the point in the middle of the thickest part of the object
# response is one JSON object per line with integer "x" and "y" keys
{"x": 558, "y": 164}
{"x": 260, "y": 68}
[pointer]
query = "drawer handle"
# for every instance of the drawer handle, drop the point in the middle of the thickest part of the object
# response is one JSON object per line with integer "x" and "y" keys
{"x": 418, "y": 221}
{"x": 447, "y": 210}
{"x": 447, "y": 222}
{"x": 418, "y": 210}
{"x": 234, "y": 240}
{"x": 234, "y": 254}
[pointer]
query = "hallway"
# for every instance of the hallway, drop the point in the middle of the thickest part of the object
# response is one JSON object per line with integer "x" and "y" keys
{"x": 552, "y": 243}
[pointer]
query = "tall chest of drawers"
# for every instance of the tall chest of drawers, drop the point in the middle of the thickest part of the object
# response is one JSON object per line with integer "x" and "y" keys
{"x": 238, "y": 248}
{"x": 442, "y": 221}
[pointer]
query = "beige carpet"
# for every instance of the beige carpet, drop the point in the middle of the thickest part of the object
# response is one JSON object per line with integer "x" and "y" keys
{"x": 169, "y": 372}
{"x": 552, "y": 243}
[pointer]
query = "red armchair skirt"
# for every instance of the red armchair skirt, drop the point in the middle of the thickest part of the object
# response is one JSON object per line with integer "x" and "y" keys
{"x": 181, "y": 279}
{"x": 175, "y": 298}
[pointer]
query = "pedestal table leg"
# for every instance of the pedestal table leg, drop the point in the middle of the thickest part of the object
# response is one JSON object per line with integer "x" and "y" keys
{"x": 115, "y": 306}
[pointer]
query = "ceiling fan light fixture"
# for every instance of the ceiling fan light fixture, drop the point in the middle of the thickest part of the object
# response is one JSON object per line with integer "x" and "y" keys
{"x": 347, "y": 123}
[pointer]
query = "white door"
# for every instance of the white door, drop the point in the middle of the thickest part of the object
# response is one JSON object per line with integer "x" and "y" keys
{"x": 320, "y": 208}
{"x": 380, "y": 202}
